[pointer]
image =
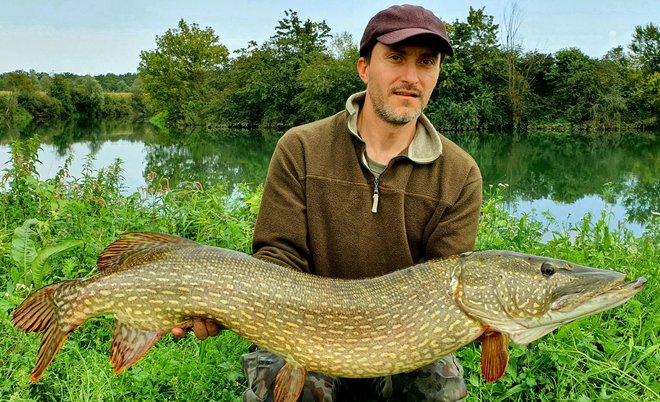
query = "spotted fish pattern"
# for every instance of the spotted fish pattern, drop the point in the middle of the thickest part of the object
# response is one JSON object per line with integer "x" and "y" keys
{"x": 152, "y": 282}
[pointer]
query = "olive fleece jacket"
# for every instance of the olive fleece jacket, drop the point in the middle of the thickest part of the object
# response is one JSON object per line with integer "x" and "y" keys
{"x": 316, "y": 213}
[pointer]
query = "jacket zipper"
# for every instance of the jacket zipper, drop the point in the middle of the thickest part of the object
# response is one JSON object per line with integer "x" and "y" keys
{"x": 374, "y": 204}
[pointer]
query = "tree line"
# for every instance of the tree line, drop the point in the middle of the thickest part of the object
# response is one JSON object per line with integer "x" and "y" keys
{"x": 303, "y": 72}
{"x": 32, "y": 97}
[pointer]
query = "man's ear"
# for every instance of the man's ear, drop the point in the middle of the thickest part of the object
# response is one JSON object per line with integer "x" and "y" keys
{"x": 363, "y": 69}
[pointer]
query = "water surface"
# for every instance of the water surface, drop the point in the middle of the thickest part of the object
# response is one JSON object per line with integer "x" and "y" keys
{"x": 567, "y": 175}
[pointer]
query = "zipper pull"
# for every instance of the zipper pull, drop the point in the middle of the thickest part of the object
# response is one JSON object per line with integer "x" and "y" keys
{"x": 374, "y": 204}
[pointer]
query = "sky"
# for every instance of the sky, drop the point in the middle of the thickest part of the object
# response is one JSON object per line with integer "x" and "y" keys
{"x": 98, "y": 37}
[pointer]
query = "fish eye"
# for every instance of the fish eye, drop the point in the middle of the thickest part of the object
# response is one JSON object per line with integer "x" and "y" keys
{"x": 547, "y": 269}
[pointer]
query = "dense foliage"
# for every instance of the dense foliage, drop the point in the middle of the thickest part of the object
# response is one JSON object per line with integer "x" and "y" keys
{"x": 178, "y": 74}
{"x": 304, "y": 72}
{"x": 54, "y": 229}
{"x": 41, "y": 98}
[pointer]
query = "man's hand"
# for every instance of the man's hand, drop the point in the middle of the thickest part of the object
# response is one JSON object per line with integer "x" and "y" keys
{"x": 201, "y": 327}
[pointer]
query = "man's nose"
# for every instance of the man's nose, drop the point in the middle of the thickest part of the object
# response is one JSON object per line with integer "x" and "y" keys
{"x": 410, "y": 73}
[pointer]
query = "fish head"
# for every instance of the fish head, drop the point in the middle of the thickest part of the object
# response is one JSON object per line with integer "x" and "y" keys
{"x": 526, "y": 296}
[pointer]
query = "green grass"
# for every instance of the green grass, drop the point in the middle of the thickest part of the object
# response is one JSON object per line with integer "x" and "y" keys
{"x": 611, "y": 356}
{"x": 186, "y": 370}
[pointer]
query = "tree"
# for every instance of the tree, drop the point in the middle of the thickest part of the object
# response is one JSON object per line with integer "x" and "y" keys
{"x": 617, "y": 56}
{"x": 609, "y": 106}
{"x": 517, "y": 86}
{"x": 45, "y": 82}
{"x": 177, "y": 75}
{"x": 571, "y": 80}
{"x": 470, "y": 81}
{"x": 646, "y": 99}
{"x": 19, "y": 81}
{"x": 262, "y": 83}
{"x": 60, "y": 89}
{"x": 585, "y": 90}
{"x": 298, "y": 41}
{"x": 116, "y": 82}
{"x": 244, "y": 84}
{"x": 294, "y": 45}
{"x": 644, "y": 79}
{"x": 538, "y": 106}
{"x": 476, "y": 39}
{"x": 645, "y": 47}
{"x": 87, "y": 96}
{"x": 329, "y": 79}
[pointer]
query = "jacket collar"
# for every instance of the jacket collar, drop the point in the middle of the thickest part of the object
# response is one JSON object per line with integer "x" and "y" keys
{"x": 425, "y": 146}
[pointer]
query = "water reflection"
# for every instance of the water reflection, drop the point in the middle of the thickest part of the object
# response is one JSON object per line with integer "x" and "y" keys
{"x": 567, "y": 175}
{"x": 209, "y": 157}
{"x": 618, "y": 168}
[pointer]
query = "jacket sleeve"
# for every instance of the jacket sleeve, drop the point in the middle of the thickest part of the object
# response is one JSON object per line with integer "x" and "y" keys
{"x": 456, "y": 231}
{"x": 280, "y": 234}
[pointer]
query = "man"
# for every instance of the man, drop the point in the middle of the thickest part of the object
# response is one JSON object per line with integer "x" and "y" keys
{"x": 370, "y": 190}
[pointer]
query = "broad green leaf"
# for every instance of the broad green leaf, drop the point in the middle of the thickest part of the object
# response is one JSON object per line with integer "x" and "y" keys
{"x": 39, "y": 266}
{"x": 23, "y": 250}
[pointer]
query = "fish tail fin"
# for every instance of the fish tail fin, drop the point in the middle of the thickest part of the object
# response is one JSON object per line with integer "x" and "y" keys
{"x": 39, "y": 313}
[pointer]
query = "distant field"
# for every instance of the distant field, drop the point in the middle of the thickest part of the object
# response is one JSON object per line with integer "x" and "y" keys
{"x": 110, "y": 94}
{"x": 118, "y": 95}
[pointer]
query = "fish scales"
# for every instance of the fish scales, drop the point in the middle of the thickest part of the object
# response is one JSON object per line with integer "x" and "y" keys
{"x": 334, "y": 341}
{"x": 346, "y": 328}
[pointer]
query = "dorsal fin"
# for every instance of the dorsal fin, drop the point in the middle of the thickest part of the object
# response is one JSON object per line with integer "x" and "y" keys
{"x": 133, "y": 247}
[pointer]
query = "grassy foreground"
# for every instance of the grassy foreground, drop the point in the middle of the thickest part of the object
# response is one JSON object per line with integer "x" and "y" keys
{"x": 54, "y": 229}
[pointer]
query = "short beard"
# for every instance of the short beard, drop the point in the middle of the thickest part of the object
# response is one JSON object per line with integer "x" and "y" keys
{"x": 390, "y": 116}
{"x": 395, "y": 119}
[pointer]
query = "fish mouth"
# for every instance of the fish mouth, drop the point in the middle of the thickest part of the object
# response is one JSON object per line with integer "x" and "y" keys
{"x": 573, "y": 307}
{"x": 617, "y": 293}
{"x": 636, "y": 284}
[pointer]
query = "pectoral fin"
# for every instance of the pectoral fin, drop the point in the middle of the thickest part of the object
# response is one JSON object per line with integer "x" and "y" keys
{"x": 289, "y": 383}
{"x": 494, "y": 355}
{"x": 129, "y": 345}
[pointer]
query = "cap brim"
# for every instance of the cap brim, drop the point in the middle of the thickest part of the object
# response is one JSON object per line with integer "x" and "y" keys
{"x": 393, "y": 37}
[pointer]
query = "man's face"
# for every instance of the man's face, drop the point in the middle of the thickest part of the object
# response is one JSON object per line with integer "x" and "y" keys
{"x": 400, "y": 79}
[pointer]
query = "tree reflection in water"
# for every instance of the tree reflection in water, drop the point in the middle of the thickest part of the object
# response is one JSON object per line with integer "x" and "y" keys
{"x": 542, "y": 171}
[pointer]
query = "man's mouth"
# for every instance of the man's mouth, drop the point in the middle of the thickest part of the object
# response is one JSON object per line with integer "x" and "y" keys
{"x": 411, "y": 93}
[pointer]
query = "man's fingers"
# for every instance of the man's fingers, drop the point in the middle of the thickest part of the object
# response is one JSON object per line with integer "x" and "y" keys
{"x": 179, "y": 332}
{"x": 212, "y": 328}
{"x": 199, "y": 326}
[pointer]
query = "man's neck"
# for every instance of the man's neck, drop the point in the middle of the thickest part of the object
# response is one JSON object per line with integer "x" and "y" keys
{"x": 384, "y": 140}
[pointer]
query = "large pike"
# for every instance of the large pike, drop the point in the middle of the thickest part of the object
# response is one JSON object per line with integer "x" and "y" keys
{"x": 346, "y": 328}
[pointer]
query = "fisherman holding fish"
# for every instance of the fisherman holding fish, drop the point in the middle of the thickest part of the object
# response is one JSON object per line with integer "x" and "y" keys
{"x": 370, "y": 190}
{"x": 351, "y": 203}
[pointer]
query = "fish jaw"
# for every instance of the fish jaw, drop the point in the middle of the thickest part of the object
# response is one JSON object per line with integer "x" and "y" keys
{"x": 526, "y": 297}
{"x": 562, "y": 312}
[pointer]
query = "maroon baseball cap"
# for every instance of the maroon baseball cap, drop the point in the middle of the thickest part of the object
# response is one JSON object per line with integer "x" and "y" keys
{"x": 398, "y": 23}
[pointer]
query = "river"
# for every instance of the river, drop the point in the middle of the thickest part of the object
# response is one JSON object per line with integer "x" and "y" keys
{"x": 566, "y": 175}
